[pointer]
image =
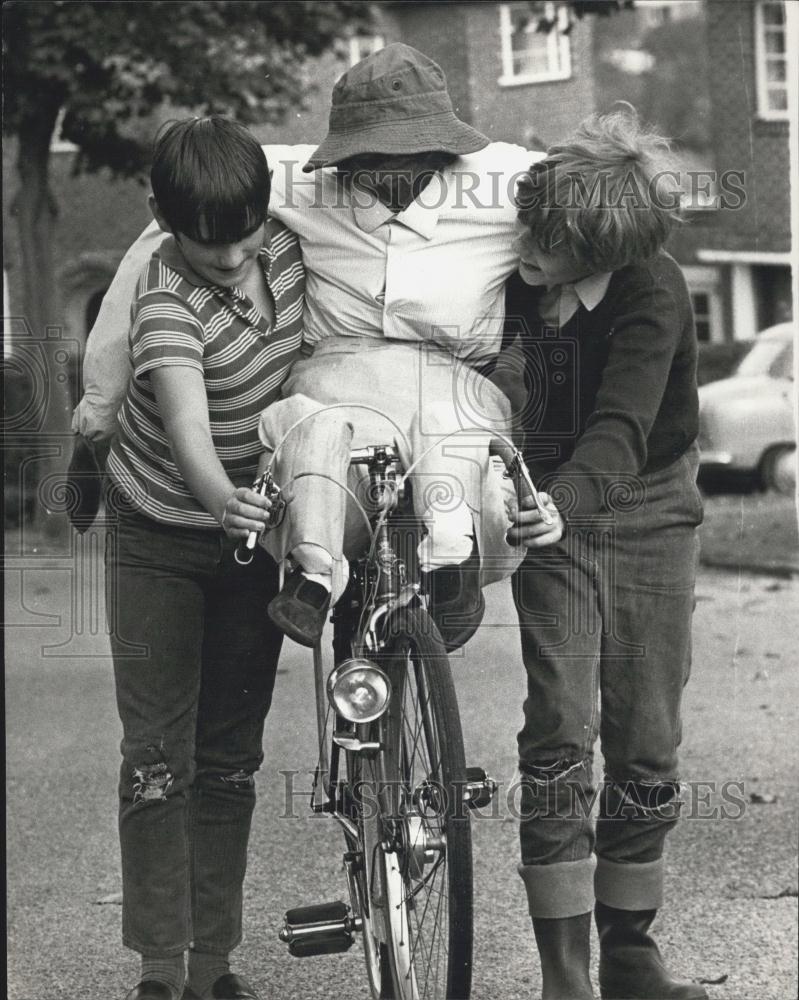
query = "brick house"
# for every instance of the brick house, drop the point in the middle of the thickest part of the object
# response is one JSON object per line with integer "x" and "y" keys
{"x": 737, "y": 259}
{"x": 506, "y": 79}
{"x": 518, "y": 85}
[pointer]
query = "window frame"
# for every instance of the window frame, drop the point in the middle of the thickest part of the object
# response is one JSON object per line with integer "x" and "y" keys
{"x": 378, "y": 42}
{"x": 556, "y": 41}
{"x": 761, "y": 62}
{"x": 707, "y": 281}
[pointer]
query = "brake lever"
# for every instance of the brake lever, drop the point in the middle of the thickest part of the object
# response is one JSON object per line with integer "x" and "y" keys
{"x": 264, "y": 486}
{"x": 517, "y": 470}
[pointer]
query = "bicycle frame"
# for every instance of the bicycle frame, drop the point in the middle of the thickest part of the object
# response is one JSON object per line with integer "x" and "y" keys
{"x": 390, "y": 591}
{"x": 409, "y": 756}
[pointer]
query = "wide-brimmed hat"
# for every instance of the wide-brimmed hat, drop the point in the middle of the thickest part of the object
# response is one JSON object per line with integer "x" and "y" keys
{"x": 394, "y": 101}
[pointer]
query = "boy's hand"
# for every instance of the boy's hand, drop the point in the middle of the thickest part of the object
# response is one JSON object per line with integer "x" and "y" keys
{"x": 245, "y": 511}
{"x": 528, "y": 526}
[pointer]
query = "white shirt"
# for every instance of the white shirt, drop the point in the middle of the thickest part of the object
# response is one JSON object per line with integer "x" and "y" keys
{"x": 433, "y": 272}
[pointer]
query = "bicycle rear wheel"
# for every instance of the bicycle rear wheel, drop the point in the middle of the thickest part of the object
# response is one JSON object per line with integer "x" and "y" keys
{"x": 425, "y": 855}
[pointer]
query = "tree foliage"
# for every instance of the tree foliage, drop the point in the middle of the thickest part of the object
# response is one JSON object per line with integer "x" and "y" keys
{"x": 106, "y": 64}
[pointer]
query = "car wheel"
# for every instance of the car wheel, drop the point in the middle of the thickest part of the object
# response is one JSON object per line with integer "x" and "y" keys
{"x": 778, "y": 469}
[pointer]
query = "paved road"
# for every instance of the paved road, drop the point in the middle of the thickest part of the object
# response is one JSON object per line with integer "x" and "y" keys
{"x": 732, "y": 891}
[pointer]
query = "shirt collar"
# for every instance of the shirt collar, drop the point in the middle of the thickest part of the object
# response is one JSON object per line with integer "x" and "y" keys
{"x": 421, "y": 215}
{"x": 591, "y": 290}
{"x": 369, "y": 212}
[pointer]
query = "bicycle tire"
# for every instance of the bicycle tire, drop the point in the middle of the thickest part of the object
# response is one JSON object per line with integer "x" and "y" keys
{"x": 366, "y": 896}
{"x": 423, "y": 773}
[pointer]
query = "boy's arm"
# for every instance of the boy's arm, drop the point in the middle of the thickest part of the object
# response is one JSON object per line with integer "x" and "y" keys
{"x": 183, "y": 405}
{"x": 643, "y": 343}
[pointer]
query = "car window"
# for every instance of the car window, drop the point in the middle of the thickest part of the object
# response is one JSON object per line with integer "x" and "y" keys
{"x": 763, "y": 355}
{"x": 782, "y": 366}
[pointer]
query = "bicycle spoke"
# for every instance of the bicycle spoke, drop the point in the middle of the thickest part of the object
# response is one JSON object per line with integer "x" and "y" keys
{"x": 438, "y": 940}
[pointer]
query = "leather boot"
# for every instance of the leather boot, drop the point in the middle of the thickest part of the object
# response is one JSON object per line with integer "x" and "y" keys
{"x": 630, "y": 965}
{"x": 564, "y": 947}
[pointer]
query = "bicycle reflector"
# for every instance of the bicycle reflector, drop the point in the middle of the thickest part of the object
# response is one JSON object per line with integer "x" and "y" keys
{"x": 358, "y": 690}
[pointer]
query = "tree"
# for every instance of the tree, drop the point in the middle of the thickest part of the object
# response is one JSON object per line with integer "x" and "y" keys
{"x": 669, "y": 87}
{"x": 98, "y": 67}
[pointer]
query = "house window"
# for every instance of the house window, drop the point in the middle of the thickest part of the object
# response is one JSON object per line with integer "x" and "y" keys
{"x": 772, "y": 59}
{"x": 703, "y": 285}
{"x": 362, "y": 46}
{"x": 530, "y": 55}
{"x": 702, "y": 316}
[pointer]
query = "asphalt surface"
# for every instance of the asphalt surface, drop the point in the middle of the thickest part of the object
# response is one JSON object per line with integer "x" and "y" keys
{"x": 731, "y": 915}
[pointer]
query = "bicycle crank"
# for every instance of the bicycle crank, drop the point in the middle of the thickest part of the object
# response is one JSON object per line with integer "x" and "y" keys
{"x": 323, "y": 929}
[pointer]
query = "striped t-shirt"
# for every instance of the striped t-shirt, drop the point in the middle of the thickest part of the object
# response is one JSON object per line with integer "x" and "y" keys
{"x": 177, "y": 318}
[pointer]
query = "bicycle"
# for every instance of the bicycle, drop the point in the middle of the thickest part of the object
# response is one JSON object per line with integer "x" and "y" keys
{"x": 393, "y": 772}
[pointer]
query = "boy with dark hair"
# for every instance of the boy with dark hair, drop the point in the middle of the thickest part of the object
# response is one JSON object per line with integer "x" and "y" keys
{"x": 605, "y": 595}
{"x": 215, "y": 325}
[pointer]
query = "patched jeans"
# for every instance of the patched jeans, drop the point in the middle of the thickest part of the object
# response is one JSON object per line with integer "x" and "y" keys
{"x": 605, "y": 621}
{"x": 195, "y": 657}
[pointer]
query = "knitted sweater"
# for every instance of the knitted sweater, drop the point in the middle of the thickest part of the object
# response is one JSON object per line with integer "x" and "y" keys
{"x": 613, "y": 392}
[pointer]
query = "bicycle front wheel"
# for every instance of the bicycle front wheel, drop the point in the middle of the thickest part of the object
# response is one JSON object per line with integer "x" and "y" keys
{"x": 426, "y": 847}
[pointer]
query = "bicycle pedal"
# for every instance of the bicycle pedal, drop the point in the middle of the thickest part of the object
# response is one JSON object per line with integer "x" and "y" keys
{"x": 479, "y": 789}
{"x": 323, "y": 929}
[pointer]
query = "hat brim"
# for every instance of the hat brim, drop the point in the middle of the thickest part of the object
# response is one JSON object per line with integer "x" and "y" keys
{"x": 439, "y": 133}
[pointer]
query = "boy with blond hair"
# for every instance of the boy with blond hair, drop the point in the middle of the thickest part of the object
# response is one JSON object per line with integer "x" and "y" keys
{"x": 604, "y": 597}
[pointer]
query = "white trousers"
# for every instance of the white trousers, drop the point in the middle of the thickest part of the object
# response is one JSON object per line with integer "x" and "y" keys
{"x": 440, "y": 414}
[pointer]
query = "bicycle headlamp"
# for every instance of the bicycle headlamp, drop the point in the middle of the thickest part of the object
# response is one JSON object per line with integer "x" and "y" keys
{"x": 358, "y": 690}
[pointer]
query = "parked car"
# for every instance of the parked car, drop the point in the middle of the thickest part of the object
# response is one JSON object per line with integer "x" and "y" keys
{"x": 746, "y": 421}
{"x": 717, "y": 361}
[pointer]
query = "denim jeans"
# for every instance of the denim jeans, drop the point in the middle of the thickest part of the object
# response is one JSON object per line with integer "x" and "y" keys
{"x": 195, "y": 657}
{"x": 605, "y": 621}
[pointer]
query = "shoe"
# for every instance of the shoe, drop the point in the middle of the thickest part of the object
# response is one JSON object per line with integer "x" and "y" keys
{"x": 151, "y": 989}
{"x": 300, "y": 609}
{"x": 233, "y": 987}
{"x": 457, "y": 604}
{"x": 630, "y": 965}
{"x": 564, "y": 947}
